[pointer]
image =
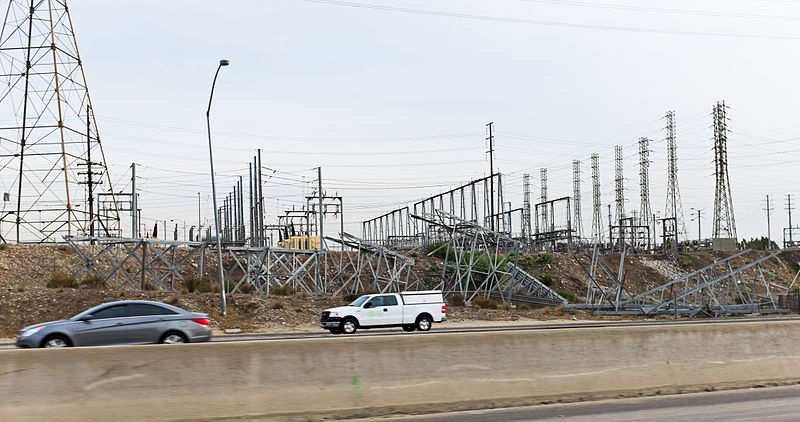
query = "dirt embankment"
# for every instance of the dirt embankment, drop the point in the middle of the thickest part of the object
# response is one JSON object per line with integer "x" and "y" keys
{"x": 25, "y": 271}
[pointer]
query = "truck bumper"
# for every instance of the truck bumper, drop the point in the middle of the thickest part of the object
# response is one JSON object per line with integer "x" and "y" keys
{"x": 330, "y": 323}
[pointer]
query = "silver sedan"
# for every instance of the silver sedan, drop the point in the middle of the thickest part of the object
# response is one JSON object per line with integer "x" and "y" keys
{"x": 124, "y": 322}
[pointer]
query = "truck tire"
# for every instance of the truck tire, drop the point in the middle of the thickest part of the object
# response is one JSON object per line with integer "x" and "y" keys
{"x": 335, "y": 330}
{"x": 349, "y": 326}
{"x": 424, "y": 322}
{"x": 409, "y": 328}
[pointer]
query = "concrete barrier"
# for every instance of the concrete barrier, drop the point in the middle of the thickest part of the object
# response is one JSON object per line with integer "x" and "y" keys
{"x": 390, "y": 374}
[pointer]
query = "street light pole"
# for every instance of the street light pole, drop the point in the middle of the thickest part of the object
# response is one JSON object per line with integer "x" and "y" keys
{"x": 223, "y": 303}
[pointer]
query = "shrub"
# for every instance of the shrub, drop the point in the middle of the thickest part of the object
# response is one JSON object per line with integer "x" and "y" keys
{"x": 198, "y": 285}
{"x": 20, "y": 289}
{"x": 547, "y": 280}
{"x": 3, "y": 246}
{"x": 525, "y": 307}
{"x": 61, "y": 280}
{"x": 351, "y": 297}
{"x": 279, "y": 290}
{"x": 544, "y": 259}
{"x": 455, "y": 300}
{"x": 93, "y": 281}
{"x": 484, "y": 303}
{"x": 172, "y": 300}
{"x": 277, "y": 304}
{"x": 414, "y": 254}
{"x": 571, "y": 298}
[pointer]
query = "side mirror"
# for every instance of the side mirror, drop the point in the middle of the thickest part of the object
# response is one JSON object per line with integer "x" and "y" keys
{"x": 85, "y": 318}
{"x": 367, "y": 305}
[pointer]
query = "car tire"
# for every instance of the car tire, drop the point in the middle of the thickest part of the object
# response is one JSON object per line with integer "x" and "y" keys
{"x": 173, "y": 337}
{"x": 424, "y": 323}
{"x": 409, "y": 328}
{"x": 56, "y": 341}
{"x": 335, "y": 330}
{"x": 349, "y": 326}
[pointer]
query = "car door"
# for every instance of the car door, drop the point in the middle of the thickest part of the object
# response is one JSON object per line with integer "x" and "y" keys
{"x": 147, "y": 322}
{"x": 384, "y": 310}
{"x": 106, "y": 327}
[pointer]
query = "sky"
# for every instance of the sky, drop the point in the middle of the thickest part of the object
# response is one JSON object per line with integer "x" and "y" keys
{"x": 391, "y": 98}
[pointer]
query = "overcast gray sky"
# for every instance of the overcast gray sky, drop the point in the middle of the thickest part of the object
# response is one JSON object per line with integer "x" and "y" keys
{"x": 392, "y": 99}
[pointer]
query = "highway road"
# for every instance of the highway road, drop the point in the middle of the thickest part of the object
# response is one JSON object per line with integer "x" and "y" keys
{"x": 776, "y": 404}
{"x": 484, "y": 329}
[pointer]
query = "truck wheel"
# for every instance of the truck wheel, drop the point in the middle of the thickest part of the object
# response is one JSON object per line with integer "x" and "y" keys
{"x": 424, "y": 323}
{"x": 409, "y": 328}
{"x": 349, "y": 326}
{"x": 335, "y": 330}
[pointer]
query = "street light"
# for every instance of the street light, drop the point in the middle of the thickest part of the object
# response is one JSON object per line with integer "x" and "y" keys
{"x": 223, "y": 303}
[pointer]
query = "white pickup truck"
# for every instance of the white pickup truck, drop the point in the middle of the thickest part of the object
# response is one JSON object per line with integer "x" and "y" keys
{"x": 410, "y": 310}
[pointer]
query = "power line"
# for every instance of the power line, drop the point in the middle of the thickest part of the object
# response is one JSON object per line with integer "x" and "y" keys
{"x": 545, "y": 23}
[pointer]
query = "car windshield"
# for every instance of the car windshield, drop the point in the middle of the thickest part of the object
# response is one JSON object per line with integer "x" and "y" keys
{"x": 359, "y": 301}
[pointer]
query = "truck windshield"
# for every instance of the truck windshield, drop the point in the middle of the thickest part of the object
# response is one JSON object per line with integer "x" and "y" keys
{"x": 359, "y": 301}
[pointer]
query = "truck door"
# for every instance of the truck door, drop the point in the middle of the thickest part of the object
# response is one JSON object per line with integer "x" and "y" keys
{"x": 382, "y": 310}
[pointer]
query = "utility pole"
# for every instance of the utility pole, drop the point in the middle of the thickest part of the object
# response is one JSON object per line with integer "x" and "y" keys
{"x": 199, "y": 221}
{"x": 89, "y": 171}
{"x": 491, "y": 175}
{"x": 789, "y": 207}
{"x": 769, "y": 230}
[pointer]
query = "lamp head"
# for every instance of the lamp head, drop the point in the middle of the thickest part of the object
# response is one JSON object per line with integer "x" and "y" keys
{"x": 224, "y": 62}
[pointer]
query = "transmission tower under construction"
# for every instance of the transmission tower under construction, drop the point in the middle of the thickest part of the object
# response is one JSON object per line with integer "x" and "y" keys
{"x": 724, "y": 223}
{"x": 619, "y": 184}
{"x": 597, "y": 222}
{"x": 644, "y": 182}
{"x": 674, "y": 207}
{"x": 576, "y": 198}
{"x": 51, "y": 160}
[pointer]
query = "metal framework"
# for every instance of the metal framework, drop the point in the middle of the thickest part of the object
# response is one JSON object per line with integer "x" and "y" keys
{"x": 724, "y": 222}
{"x": 716, "y": 289}
{"x": 597, "y": 219}
{"x": 556, "y": 224}
{"x": 576, "y": 198}
{"x": 674, "y": 206}
{"x": 470, "y": 201}
{"x": 526, "y": 207}
{"x": 479, "y": 262}
{"x": 644, "y": 182}
{"x": 51, "y": 158}
{"x": 542, "y": 198}
{"x": 619, "y": 183}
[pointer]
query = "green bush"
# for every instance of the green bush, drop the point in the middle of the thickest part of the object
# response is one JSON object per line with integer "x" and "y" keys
{"x": 544, "y": 259}
{"x": 414, "y": 254}
{"x": 547, "y": 280}
{"x": 571, "y": 298}
{"x": 58, "y": 280}
{"x": 3, "y": 246}
{"x": 525, "y": 307}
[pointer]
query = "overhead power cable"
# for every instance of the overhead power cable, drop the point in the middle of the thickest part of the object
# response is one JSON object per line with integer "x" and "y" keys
{"x": 546, "y": 23}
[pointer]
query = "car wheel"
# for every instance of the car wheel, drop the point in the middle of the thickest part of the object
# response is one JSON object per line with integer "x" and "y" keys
{"x": 56, "y": 340}
{"x": 349, "y": 326}
{"x": 424, "y": 323}
{"x": 173, "y": 337}
{"x": 409, "y": 328}
{"x": 335, "y": 330}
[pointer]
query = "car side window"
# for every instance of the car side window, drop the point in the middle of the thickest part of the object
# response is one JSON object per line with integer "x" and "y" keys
{"x": 376, "y": 301}
{"x": 144, "y": 309}
{"x": 115, "y": 311}
{"x": 389, "y": 300}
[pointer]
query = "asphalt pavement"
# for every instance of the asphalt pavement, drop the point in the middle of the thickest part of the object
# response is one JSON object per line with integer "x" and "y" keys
{"x": 775, "y": 404}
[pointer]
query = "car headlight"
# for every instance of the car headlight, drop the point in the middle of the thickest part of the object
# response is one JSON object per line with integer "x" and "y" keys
{"x": 334, "y": 314}
{"x": 31, "y": 331}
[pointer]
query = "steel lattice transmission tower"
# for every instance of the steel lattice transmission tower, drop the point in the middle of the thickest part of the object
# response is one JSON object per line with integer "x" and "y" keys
{"x": 543, "y": 197}
{"x": 674, "y": 207}
{"x": 526, "y": 207}
{"x": 597, "y": 222}
{"x": 644, "y": 182}
{"x": 51, "y": 157}
{"x": 576, "y": 198}
{"x": 724, "y": 223}
{"x": 619, "y": 184}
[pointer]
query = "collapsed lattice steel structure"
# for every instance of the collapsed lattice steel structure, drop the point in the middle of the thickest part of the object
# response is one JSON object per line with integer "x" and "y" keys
{"x": 480, "y": 262}
{"x": 716, "y": 289}
{"x": 143, "y": 264}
